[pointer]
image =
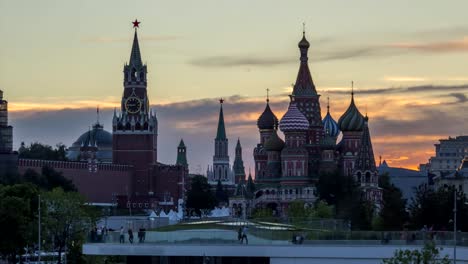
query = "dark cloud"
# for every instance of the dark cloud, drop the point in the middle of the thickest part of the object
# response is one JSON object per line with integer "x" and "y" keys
{"x": 195, "y": 121}
{"x": 234, "y": 61}
{"x": 422, "y": 121}
{"x": 434, "y": 47}
{"x": 411, "y": 89}
{"x": 461, "y": 98}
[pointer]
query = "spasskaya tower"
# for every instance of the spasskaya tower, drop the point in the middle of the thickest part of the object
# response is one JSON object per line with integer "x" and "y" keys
{"x": 135, "y": 126}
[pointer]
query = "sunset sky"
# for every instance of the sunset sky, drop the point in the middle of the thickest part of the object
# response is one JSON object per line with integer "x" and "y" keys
{"x": 59, "y": 60}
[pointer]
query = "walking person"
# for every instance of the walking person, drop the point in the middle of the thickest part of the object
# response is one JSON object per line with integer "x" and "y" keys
{"x": 245, "y": 229}
{"x": 239, "y": 234}
{"x": 130, "y": 235}
{"x": 122, "y": 235}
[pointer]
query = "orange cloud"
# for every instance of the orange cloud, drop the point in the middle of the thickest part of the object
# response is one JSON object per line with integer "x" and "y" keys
{"x": 446, "y": 46}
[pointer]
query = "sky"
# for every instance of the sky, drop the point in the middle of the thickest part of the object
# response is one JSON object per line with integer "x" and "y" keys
{"x": 59, "y": 60}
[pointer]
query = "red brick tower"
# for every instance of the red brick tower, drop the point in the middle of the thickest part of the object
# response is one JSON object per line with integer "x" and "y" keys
{"x": 306, "y": 99}
{"x": 135, "y": 127}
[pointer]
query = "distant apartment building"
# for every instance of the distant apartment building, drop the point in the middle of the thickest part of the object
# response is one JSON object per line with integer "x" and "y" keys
{"x": 449, "y": 155}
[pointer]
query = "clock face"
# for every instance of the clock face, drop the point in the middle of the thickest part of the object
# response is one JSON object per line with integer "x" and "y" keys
{"x": 133, "y": 105}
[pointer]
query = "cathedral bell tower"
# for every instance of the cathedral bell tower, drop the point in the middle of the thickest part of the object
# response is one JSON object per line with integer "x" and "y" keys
{"x": 135, "y": 126}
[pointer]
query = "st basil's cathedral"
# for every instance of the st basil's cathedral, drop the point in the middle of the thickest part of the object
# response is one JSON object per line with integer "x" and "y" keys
{"x": 286, "y": 170}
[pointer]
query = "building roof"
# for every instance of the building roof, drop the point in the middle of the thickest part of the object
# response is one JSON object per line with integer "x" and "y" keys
{"x": 135, "y": 55}
{"x": 329, "y": 124}
{"x": 221, "y": 132}
{"x": 304, "y": 84}
{"x": 293, "y": 120}
{"x": 365, "y": 160}
{"x": 181, "y": 144}
{"x": 95, "y": 137}
{"x": 352, "y": 119}
{"x": 274, "y": 143}
{"x": 267, "y": 119}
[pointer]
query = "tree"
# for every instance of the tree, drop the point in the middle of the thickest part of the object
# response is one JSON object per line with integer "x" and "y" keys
{"x": 393, "y": 214}
{"x": 435, "y": 208}
{"x": 48, "y": 179}
{"x": 330, "y": 187}
{"x": 56, "y": 179}
{"x": 199, "y": 196}
{"x": 37, "y": 150}
{"x": 323, "y": 210}
{"x": 18, "y": 204}
{"x": 297, "y": 209}
{"x": 428, "y": 254}
{"x": 67, "y": 219}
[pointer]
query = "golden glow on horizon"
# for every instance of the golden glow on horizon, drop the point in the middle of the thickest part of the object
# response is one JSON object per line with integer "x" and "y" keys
{"x": 404, "y": 79}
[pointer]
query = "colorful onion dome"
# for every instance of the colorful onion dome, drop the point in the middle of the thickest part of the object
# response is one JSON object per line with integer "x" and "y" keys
{"x": 329, "y": 124}
{"x": 274, "y": 143}
{"x": 267, "y": 119}
{"x": 352, "y": 119}
{"x": 293, "y": 120}
{"x": 303, "y": 44}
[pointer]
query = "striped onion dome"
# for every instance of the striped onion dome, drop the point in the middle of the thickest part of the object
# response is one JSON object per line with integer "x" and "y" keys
{"x": 293, "y": 120}
{"x": 352, "y": 119}
{"x": 330, "y": 126}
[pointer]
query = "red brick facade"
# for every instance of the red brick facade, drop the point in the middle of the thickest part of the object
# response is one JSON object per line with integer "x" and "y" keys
{"x": 101, "y": 186}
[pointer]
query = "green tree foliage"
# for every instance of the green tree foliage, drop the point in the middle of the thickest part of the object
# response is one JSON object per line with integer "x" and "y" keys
{"x": 362, "y": 215}
{"x": 67, "y": 219}
{"x": 18, "y": 205}
{"x": 222, "y": 196}
{"x": 428, "y": 254}
{"x": 347, "y": 197}
{"x": 262, "y": 213}
{"x": 435, "y": 208}
{"x": 393, "y": 214}
{"x": 48, "y": 179}
{"x": 323, "y": 210}
{"x": 40, "y": 151}
{"x": 299, "y": 212}
{"x": 200, "y": 197}
{"x": 330, "y": 187}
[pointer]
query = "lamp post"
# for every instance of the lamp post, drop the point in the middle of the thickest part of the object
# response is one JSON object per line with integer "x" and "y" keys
{"x": 39, "y": 228}
{"x": 454, "y": 225}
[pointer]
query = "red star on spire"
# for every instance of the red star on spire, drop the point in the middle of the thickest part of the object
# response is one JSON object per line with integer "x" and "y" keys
{"x": 136, "y": 24}
{"x": 221, "y": 100}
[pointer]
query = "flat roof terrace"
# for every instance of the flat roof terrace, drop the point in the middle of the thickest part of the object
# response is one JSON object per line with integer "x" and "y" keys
{"x": 317, "y": 246}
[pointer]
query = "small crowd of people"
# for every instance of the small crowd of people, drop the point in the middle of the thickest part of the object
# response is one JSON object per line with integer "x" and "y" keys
{"x": 99, "y": 234}
{"x": 141, "y": 235}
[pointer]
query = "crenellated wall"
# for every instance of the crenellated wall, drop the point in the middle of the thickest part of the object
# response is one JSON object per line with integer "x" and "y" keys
{"x": 101, "y": 186}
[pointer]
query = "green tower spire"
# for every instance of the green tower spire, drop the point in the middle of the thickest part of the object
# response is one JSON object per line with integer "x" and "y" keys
{"x": 182, "y": 154}
{"x": 135, "y": 55}
{"x": 221, "y": 133}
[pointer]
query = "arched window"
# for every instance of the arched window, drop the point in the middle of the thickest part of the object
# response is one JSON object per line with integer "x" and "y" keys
{"x": 367, "y": 176}
{"x": 134, "y": 74}
{"x": 142, "y": 76}
{"x": 359, "y": 175}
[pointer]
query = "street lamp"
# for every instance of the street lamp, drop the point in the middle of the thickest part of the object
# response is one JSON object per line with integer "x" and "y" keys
{"x": 455, "y": 198}
{"x": 39, "y": 228}
{"x": 454, "y": 225}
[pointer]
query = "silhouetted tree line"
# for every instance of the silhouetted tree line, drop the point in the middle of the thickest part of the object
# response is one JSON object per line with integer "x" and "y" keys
{"x": 42, "y": 151}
